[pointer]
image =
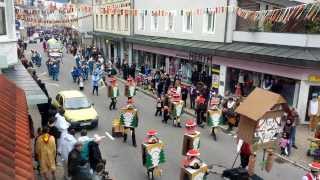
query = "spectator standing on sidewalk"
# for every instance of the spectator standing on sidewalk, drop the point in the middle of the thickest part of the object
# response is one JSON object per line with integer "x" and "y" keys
{"x": 184, "y": 95}
{"x": 193, "y": 96}
{"x": 294, "y": 117}
{"x": 77, "y": 166}
{"x": 67, "y": 144}
{"x": 287, "y": 128}
{"x": 95, "y": 153}
{"x": 46, "y": 153}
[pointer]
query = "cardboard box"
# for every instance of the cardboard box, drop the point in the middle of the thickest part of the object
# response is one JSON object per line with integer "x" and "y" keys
{"x": 117, "y": 129}
{"x": 260, "y": 116}
{"x": 190, "y": 142}
{"x": 193, "y": 174}
{"x": 152, "y": 154}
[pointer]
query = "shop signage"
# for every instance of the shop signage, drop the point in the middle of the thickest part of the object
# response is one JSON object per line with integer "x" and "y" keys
{"x": 314, "y": 78}
{"x": 215, "y": 77}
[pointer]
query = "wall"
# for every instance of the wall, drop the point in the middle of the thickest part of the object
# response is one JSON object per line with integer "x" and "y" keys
{"x": 288, "y": 39}
{"x": 8, "y": 47}
{"x": 198, "y": 20}
{"x": 107, "y": 27}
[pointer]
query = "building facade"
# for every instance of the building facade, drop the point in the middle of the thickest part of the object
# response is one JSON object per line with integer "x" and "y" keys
{"x": 202, "y": 41}
{"x": 111, "y": 27}
{"x": 8, "y": 50}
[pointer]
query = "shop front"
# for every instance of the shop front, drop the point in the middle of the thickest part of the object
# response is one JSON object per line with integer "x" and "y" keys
{"x": 190, "y": 67}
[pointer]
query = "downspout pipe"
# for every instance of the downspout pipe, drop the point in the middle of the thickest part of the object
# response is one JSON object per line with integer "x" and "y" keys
{"x": 226, "y": 22}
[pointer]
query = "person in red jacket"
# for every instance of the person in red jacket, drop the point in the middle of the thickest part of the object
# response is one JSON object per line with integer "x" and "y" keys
{"x": 245, "y": 153}
{"x": 313, "y": 174}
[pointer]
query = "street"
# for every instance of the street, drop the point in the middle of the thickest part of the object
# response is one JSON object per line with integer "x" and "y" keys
{"x": 124, "y": 162}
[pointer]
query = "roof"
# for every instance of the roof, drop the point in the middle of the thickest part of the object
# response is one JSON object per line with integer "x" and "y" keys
{"x": 258, "y": 103}
{"x": 71, "y": 94}
{"x": 22, "y": 78}
{"x": 15, "y": 143}
{"x": 108, "y": 35}
{"x": 267, "y": 53}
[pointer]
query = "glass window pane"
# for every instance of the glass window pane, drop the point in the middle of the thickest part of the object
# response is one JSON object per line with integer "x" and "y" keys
{"x": 2, "y": 21}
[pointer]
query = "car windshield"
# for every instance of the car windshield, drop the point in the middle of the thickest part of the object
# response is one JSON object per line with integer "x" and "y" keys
{"x": 76, "y": 103}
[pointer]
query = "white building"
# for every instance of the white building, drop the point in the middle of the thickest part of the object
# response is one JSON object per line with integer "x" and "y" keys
{"x": 110, "y": 29}
{"x": 9, "y": 63}
{"x": 207, "y": 40}
{"x": 8, "y": 47}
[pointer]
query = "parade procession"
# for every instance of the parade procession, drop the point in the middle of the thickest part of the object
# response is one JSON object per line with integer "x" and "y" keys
{"x": 160, "y": 90}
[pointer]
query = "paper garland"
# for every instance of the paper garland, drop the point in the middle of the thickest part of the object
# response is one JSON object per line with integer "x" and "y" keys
{"x": 47, "y": 22}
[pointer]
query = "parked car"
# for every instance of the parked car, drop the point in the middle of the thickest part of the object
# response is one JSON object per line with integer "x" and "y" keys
{"x": 79, "y": 112}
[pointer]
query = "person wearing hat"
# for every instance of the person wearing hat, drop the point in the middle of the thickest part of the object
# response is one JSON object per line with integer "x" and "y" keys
{"x": 129, "y": 120}
{"x": 200, "y": 109}
{"x": 192, "y": 159}
{"x": 214, "y": 116}
{"x": 176, "y": 109}
{"x": 313, "y": 174}
{"x": 153, "y": 153}
{"x": 191, "y": 138}
{"x": 113, "y": 93}
{"x": 130, "y": 88}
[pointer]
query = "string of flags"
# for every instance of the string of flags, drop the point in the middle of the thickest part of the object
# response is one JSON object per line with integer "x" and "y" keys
{"x": 310, "y": 12}
{"x": 40, "y": 21}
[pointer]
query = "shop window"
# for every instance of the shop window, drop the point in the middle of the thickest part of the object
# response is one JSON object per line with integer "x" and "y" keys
{"x": 119, "y": 23}
{"x": 209, "y": 26}
{"x": 170, "y": 21}
{"x": 187, "y": 22}
{"x": 112, "y": 22}
{"x": 3, "y": 26}
{"x": 126, "y": 22}
{"x": 154, "y": 22}
{"x": 141, "y": 21}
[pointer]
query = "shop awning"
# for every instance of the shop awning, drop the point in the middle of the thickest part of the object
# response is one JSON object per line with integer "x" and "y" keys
{"x": 273, "y": 54}
{"x": 22, "y": 78}
{"x": 15, "y": 145}
{"x": 109, "y": 36}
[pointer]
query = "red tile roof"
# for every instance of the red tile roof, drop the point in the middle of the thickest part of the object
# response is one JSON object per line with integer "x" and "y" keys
{"x": 15, "y": 143}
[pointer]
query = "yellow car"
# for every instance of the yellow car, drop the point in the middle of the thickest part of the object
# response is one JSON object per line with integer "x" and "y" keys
{"x": 79, "y": 112}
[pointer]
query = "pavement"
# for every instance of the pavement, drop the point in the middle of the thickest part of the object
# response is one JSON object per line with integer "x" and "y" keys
{"x": 124, "y": 162}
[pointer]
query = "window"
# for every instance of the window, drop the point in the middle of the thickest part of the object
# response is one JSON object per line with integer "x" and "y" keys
{"x": 141, "y": 20}
{"x": 126, "y": 22}
{"x": 119, "y": 23}
{"x": 170, "y": 21}
{"x": 154, "y": 22}
{"x": 209, "y": 22}
{"x": 3, "y": 26}
{"x": 101, "y": 21}
{"x": 107, "y": 22}
{"x": 188, "y": 22}
{"x": 97, "y": 20}
{"x": 112, "y": 22}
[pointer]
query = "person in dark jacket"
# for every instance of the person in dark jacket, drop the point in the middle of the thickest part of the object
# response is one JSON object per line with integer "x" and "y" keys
{"x": 133, "y": 71}
{"x": 94, "y": 152}
{"x": 160, "y": 88}
{"x": 167, "y": 83}
{"x": 125, "y": 70}
{"x": 184, "y": 95}
{"x": 77, "y": 166}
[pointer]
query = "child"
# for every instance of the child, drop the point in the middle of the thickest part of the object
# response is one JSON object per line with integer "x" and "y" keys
{"x": 284, "y": 143}
{"x": 81, "y": 83}
{"x": 166, "y": 115}
{"x": 159, "y": 107}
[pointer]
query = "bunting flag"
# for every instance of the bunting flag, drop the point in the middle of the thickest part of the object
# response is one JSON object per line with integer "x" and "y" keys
{"x": 38, "y": 21}
{"x": 309, "y": 12}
